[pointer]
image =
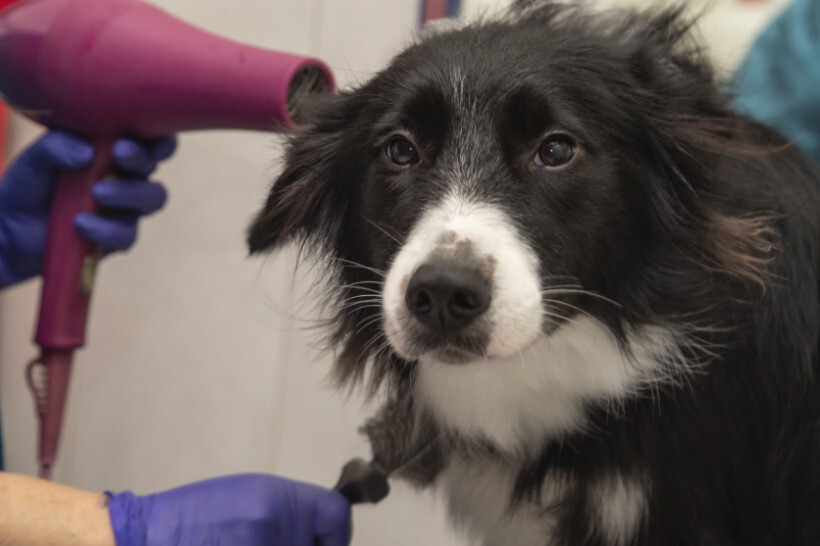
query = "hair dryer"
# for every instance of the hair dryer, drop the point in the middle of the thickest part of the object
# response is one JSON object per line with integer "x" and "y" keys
{"x": 109, "y": 68}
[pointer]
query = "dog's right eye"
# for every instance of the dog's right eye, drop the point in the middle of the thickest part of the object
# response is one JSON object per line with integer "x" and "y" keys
{"x": 556, "y": 151}
{"x": 401, "y": 152}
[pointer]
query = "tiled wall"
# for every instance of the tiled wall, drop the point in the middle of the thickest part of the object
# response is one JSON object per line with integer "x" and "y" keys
{"x": 198, "y": 361}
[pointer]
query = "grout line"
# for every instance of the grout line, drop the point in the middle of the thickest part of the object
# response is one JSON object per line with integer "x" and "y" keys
{"x": 317, "y": 17}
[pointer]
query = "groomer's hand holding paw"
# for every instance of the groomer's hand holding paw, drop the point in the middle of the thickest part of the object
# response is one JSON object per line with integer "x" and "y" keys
{"x": 27, "y": 187}
{"x": 246, "y": 509}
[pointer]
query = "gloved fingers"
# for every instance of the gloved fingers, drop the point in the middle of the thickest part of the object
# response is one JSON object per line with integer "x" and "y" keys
{"x": 332, "y": 523}
{"x": 163, "y": 148}
{"x": 115, "y": 233}
{"x": 139, "y": 196}
{"x": 310, "y": 515}
{"x": 29, "y": 181}
{"x": 141, "y": 158}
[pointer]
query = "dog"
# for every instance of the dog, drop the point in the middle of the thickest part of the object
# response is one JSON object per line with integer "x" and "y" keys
{"x": 586, "y": 287}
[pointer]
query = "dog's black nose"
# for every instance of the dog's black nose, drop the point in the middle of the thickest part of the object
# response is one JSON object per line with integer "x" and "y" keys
{"x": 447, "y": 296}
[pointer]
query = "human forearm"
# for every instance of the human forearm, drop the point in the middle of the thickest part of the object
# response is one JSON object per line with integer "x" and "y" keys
{"x": 35, "y": 512}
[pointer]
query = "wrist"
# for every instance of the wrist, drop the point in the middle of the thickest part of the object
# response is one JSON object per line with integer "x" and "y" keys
{"x": 7, "y": 278}
{"x": 127, "y": 513}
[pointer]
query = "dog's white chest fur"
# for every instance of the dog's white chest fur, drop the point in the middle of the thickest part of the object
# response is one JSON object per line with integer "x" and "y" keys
{"x": 517, "y": 402}
{"x": 478, "y": 493}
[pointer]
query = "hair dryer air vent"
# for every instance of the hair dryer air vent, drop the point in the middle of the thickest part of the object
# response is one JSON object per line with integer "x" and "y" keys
{"x": 310, "y": 80}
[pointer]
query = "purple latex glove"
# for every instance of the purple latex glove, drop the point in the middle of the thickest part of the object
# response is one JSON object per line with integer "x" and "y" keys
{"x": 247, "y": 510}
{"x": 27, "y": 187}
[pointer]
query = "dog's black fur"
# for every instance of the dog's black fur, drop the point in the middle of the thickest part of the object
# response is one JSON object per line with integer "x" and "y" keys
{"x": 687, "y": 214}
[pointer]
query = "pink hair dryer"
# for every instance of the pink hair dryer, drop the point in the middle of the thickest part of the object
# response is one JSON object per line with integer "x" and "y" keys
{"x": 110, "y": 68}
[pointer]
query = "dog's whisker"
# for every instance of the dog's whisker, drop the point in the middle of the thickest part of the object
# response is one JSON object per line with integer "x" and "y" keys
{"x": 364, "y": 282}
{"x": 362, "y": 298}
{"x": 556, "y": 318}
{"x": 567, "y": 305}
{"x": 377, "y": 339}
{"x": 360, "y": 306}
{"x": 350, "y": 263}
{"x": 359, "y": 288}
{"x": 383, "y": 229}
{"x": 353, "y": 309}
{"x": 367, "y": 323}
{"x": 552, "y": 291}
{"x": 376, "y": 315}
{"x": 367, "y": 298}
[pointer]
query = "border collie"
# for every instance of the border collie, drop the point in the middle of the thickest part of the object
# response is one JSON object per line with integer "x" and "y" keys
{"x": 586, "y": 288}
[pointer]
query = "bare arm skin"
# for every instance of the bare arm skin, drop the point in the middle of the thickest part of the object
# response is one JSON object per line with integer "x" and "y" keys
{"x": 35, "y": 512}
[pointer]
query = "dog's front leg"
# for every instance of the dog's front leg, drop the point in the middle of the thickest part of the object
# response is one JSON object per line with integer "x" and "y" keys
{"x": 405, "y": 442}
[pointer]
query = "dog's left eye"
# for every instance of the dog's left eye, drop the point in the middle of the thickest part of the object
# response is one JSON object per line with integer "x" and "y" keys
{"x": 555, "y": 151}
{"x": 401, "y": 152}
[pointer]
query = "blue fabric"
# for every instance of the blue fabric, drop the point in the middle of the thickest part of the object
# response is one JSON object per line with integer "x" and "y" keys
{"x": 779, "y": 82}
{"x": 453, "y": 8}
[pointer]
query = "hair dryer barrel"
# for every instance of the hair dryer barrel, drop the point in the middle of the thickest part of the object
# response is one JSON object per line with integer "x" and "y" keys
{"x": 105, "y": 68}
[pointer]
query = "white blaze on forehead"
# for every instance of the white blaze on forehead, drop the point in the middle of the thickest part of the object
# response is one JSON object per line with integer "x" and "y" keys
{"x": 515, "y": 309}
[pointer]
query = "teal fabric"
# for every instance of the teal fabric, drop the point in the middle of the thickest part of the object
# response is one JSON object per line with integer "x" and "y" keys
{"x": 779, "y": 82}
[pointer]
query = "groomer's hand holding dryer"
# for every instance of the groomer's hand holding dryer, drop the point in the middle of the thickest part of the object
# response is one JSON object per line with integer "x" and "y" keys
{"x": 27, "y": 187}
{"x": 249, "y": 509}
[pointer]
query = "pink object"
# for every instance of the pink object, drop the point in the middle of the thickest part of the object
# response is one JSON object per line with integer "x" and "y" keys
{"x": 109, "y": 68}
{"x": 5, "y": 3}
{"x": 433, "y": 9}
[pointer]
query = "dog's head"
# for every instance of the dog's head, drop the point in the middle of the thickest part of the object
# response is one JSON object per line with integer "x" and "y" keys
{"x": 499, "y": 180}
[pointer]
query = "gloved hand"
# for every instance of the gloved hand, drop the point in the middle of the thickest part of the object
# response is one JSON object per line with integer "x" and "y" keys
{"x": 246, "y": 510}
{"x": 27, "y": 187}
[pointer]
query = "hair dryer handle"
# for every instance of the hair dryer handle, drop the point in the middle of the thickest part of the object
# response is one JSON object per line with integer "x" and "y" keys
{"x": 70, "y": 260}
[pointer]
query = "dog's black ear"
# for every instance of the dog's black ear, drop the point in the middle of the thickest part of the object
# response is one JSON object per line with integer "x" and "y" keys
{"x": 305, "y": 200}
{"x": 692, "y": 118}
{"x": 665, "y": 45}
